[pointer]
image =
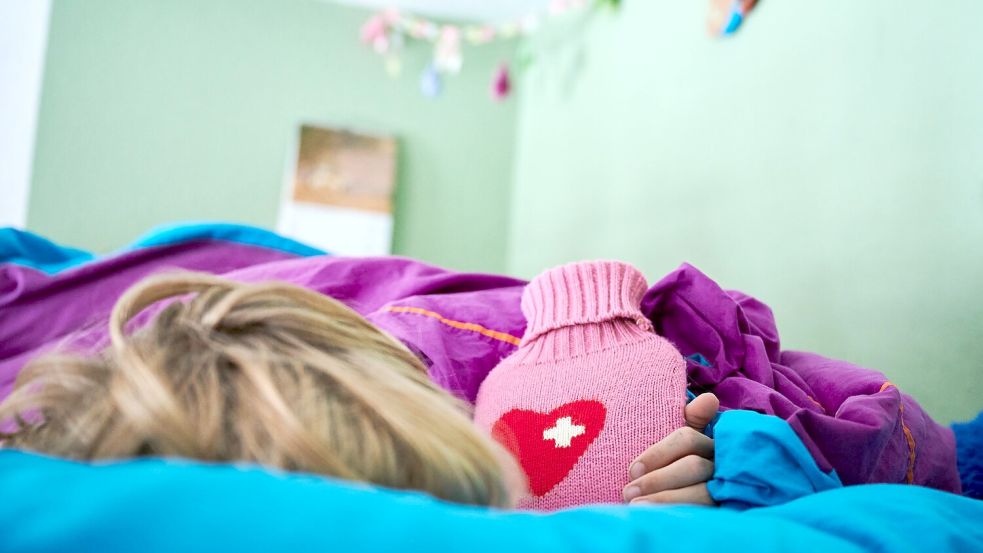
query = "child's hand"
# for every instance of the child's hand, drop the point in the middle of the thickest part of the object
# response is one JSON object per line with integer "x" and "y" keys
{"x": 677, "y": 469}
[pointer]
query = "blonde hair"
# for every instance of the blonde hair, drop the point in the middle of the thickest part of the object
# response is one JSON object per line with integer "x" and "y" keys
{"x": 269, "y": 373}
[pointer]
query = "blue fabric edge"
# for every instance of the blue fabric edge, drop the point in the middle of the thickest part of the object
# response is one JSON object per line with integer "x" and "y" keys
{"x": 25, "y": 248}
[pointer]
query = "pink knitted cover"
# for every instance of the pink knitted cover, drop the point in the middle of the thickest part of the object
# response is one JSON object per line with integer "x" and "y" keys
{"x": 589, "y": 389}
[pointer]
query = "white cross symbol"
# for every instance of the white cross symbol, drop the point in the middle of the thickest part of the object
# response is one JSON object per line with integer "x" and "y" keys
{"x": 563, "y": 431}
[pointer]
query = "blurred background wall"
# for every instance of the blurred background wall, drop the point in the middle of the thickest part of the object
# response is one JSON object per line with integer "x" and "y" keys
{"x": 828, "y": 159}
{"x": 156, "y": 111}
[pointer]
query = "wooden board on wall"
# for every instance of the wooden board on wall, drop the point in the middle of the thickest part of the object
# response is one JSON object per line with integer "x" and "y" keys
{"x": 341, "y": 168}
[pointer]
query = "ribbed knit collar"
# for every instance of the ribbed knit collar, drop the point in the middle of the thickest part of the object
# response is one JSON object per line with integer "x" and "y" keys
{"x": 584, "y": 293}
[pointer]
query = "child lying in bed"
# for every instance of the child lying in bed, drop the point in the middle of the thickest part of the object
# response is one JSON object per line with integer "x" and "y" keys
{"x": 460, "y": 326}
{"x": 265, "y": 373}
{"x": 282, "y": 376}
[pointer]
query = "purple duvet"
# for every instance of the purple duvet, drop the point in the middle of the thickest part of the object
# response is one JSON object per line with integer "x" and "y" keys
{"x": 851, "y": 419}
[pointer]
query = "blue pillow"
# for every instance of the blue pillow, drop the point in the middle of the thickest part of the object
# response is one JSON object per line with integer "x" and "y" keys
{"x": 151, "y": 505}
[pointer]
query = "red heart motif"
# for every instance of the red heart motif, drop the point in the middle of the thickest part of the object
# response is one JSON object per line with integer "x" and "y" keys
{"x": 548, "y": 445}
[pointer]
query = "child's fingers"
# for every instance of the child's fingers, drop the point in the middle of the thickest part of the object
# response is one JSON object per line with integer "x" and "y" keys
{"x": 683, "y": 473}
{"x": 696, "y": 494}
{"x": 682, "y": 442}
{"x": 700, "y": 411}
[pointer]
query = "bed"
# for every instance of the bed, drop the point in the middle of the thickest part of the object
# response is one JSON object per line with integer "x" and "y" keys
{"x": 177, "y": 505}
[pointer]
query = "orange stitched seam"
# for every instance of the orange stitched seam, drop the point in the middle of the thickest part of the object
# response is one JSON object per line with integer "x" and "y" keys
{"x": 908, "y": 436}
{"x": 501, "y": 336}
{"x": 814, "y": 400}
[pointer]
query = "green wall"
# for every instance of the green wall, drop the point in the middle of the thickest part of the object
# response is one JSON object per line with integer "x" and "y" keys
{"x": 161, "y": 110}
{"x": 828, "y": 159}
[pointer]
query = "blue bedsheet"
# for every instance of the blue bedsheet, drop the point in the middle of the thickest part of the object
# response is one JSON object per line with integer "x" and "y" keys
{"x": 154, "y": 505}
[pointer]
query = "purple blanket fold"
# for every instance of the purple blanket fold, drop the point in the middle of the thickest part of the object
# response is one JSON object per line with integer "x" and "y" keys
{"x": 852, "y": 419}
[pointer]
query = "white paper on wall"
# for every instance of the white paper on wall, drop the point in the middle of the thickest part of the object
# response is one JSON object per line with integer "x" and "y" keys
{"x": 338, "y": 230}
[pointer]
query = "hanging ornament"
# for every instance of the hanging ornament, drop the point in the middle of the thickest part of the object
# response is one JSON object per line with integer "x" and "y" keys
{"x": 394, "y": 66}
{"x": 501, "y": 83}
{"x": 430, "y": 83}
{"x": 420, "y": 29}
{"x": 377, "y": 31}
{"x": 447, "y": 51}
{"x": 374, "y": 34}
{"x": 393, "y": 56}
{"x": 509, "y": 30}
{"x": 726, "y": 16}
{"x": 479, "y": 34}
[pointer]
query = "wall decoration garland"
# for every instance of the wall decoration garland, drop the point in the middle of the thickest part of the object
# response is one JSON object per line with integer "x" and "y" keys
{"x": 388, "y": 32}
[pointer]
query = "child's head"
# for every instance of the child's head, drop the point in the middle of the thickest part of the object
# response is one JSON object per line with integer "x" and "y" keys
{"x": 268, "y": 373}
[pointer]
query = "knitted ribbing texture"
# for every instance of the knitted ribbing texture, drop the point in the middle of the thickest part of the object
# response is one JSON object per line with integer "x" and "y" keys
{"x": 589, "y": 389}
